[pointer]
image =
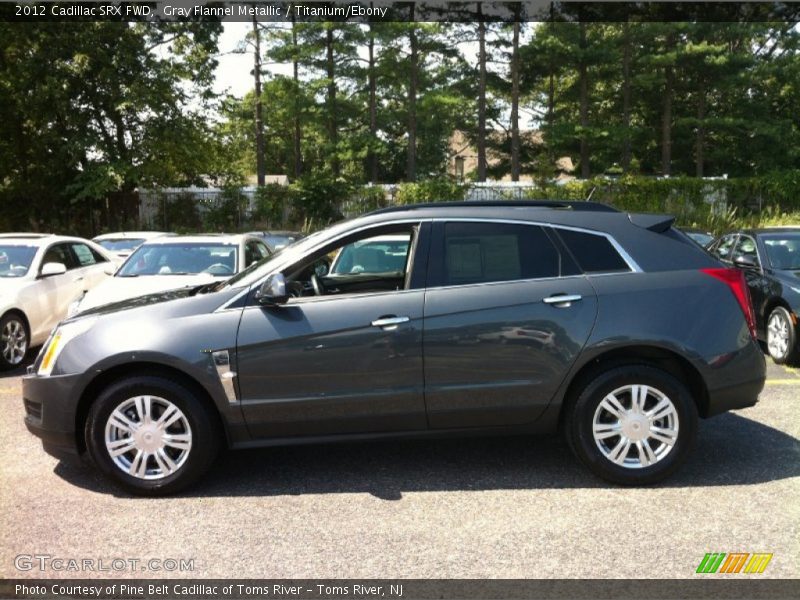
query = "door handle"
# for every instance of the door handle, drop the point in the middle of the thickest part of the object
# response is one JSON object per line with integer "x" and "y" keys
{"x": 562, "y": 300}
{"x": 389, "y": 323}
{"x": 78, "y": 279}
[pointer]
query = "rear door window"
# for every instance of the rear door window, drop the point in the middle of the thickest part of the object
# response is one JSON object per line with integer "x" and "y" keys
{"x": 491, "y": 252}
{"x": 84, "y": 254}
{"x": 594, "y": 253}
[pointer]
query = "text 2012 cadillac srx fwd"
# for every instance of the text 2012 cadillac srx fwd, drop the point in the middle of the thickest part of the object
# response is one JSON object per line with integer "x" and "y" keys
{"x": 515, "y": 317}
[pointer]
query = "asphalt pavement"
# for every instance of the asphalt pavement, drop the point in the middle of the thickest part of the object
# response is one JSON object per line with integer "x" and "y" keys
{"x": 469, "y": 508}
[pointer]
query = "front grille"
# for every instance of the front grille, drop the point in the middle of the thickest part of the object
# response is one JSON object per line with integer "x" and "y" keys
{"x": 33, "y": 409}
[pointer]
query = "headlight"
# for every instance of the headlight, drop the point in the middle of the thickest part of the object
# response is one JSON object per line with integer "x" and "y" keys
{"x": 60, "y": 338}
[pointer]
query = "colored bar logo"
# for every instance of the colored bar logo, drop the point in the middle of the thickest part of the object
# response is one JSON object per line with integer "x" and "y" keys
{"x": 734, "y": 562}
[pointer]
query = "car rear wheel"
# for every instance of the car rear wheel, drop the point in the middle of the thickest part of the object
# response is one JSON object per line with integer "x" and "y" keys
{"x": 781, "y": 337}
{"x": 14, "y": 340}
{"x": 152, "y": 435}
{"x": 632, "y": 425}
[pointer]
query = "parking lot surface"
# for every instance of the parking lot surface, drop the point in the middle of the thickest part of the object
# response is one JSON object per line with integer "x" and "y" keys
{"x": 466, "y": 508}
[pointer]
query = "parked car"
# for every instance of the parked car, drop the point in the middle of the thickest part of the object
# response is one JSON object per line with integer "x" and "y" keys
{"x": 39, "y": 276}
{"x": 770, "y": 260}
{"x": 527, "y": 316}
{"x": 278, "y": 240}
{"x": 172, "y": 262}
{"x": 704, "y": 238}
{"x": 123, "y": 243}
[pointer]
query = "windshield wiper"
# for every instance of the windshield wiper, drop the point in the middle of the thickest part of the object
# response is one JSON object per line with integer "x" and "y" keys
{"x": 128, "y": 275}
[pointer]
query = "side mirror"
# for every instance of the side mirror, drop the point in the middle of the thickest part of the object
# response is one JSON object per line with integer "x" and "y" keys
{"x": 746, "y": 262}
{"x": 110, "y": 269}
{"x": 273, "y": 291}
{"x": 52, "y": 268}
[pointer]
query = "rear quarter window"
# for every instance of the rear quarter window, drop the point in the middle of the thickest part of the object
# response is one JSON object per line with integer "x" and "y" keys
{"x": 593, "y": 253}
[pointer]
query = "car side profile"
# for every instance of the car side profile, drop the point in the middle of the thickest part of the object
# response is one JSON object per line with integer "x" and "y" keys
{"x": 504, "y": 318}
{"x": 40, "y": 275}
{"x": 770, "y": 260}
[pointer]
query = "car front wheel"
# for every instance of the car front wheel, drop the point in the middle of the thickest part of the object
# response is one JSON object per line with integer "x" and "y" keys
{"x": 632, "y": 425}
{"x": 781, "y": 337}
{"x": 14, "y": 341}
{"x": 151, "y": 434}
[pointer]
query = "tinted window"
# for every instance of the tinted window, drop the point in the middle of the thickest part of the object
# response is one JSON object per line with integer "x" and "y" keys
{"x": 59, "y": 253}
{"x": 746, "y": 246}
{"x": 723, "y": 248}
{"x": 783, "y": 250}
{"x": 594, "y": 253}
{"x": 84, "y": 255}
{"x": 485, "y": 252}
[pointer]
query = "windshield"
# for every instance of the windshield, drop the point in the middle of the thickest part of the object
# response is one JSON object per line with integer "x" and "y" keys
{"x": 15, "y": 261}
{"x": 121, "y": 244}
{"x": 783, "y": 250}
{"x": 181, "y": 259}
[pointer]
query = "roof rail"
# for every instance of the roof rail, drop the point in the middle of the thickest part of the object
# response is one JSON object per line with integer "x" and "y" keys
{"x": 576, "y": 205}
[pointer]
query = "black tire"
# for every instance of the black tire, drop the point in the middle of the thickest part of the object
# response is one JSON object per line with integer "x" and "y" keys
{"x": 203, "y": 424}
{"x": 791, "y": 355}
{"x": 13, "y": 319}
{"x": 581, "y": 412}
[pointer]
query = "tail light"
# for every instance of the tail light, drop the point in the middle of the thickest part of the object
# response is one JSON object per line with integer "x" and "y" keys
{"x": 734, "y": 278}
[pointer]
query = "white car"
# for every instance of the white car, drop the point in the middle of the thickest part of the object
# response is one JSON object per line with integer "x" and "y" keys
{"x": 40, "y": 275}
{"x": 168, "y": 263}
{"x": 123, "y": 243}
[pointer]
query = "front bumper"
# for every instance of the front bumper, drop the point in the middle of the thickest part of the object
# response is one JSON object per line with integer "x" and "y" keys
{"x": 51, "y": 410}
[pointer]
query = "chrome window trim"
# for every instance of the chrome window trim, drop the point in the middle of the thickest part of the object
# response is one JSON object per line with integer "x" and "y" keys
{"x": 325, "y": 242}
{"x": 632, "y": 264}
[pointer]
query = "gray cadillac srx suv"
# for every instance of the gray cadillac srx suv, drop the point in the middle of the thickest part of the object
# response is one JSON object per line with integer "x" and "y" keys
{"x": 453, "y": 318}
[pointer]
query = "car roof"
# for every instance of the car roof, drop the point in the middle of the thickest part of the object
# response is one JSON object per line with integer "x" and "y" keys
{"x": 131, "y": 234}
{"x": 205, "y": 238}
{"x": 37, "y": 239}
{"x": 764, "y": 230}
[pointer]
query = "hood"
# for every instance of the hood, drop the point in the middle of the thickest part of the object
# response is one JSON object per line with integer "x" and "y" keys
{"x": 124, "y": 289}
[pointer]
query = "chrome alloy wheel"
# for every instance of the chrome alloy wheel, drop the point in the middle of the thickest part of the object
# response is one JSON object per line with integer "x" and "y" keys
{"x": 148, "y": 437}
{"x": 14, "y": 341}
{"x": 777, "y": 335}
{"x": 635, "y": 426}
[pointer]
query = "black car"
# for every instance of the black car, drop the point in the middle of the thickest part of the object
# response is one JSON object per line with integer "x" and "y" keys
{"x": 770, "y": 260}
{"x": 503, "y": 317}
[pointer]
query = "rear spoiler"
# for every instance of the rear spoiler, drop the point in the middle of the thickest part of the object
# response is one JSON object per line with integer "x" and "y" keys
{"x": 656, "y": 223}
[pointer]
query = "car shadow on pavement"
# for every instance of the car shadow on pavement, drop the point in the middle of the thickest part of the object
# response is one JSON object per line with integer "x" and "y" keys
{"x": 18, "y": 372}
{"x": 731, "y": 450}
